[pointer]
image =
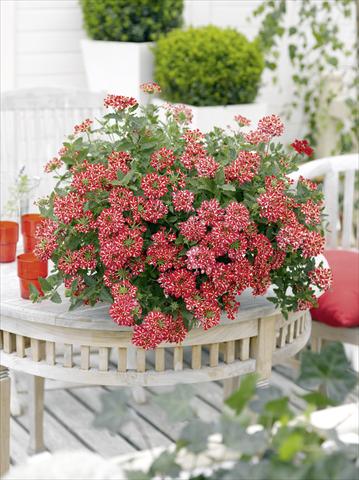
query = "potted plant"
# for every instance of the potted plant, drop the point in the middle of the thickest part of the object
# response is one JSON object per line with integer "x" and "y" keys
{"x": 169, "y": 225}
{"x": 117, "y": 55}
{"x": 216, "y": 72}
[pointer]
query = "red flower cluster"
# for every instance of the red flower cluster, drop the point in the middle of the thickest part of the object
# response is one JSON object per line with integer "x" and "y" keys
{"x": 173, "y": 225}
{"x": 119, "y": 102}
{"x": 83, "y": 127}
{"x": 302, "y": 146}
{"x": 150, "y": 87}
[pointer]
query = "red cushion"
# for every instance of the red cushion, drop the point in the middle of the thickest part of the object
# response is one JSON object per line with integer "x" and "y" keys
{"x": 339, "y": 306}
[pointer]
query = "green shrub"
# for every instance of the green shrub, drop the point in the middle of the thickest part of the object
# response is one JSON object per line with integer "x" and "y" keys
{"x": 130, "y": 20}
{"x": 208, "y": 66}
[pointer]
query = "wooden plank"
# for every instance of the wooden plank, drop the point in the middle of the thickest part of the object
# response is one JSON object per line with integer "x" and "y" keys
{"x": 213, "y": 354}
{"x": 253, "y": 347}
{"x": 290, "y": 334}
{"x": 20, "y": 346}
{"x": 159, "y": 359}
{"x": 9, "y": 342}
{"x": 68, "y": 361}
{"x": 196, "y": 357}
{"x": 140, "y": 432}
{"x": 264, "y": 350}
{"x": 178, "y": 358}
{"x": 282, "y": 336}
{"x": 37, "y": 349}
{"x": 50, "y": 353}
{"x": 244, "y": 349}
{"x": 141, "y": 360}
{"x": 79, "y": 420}
{"x": 229, "y": 352}
{"x": 122, "y": 360}
{"x": 103, "y": 359}
{"x": 85, "y": 357}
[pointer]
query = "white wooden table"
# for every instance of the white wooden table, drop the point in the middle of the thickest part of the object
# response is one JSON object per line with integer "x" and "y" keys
{"x": 47, "y": 341}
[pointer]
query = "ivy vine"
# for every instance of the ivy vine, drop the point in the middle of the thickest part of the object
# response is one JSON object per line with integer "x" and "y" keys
{"x": 316, "y": 51}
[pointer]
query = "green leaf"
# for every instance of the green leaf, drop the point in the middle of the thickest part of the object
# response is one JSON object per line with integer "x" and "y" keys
{"x": 235, "y": 437}
{"x": 239, "y": 399}
{"x": 264, "y": 396}
{"x": 292, "y": 445}
{"x": 114, "y": 412}
{"x": 165, "y": 465}
{"x": 328, "y": 371}
{"x": 176, "y": 404}
{"x": 318, "y": 400}
{"x": 195, "y": 435}
{"x": 45, "y": 285}
{"x": 55, "y": 297}
{"x": 34, "y": 293}
{"x": 105, "y": 295}
{"x": 228, "y": 187}
{"x": 137, "y": 475}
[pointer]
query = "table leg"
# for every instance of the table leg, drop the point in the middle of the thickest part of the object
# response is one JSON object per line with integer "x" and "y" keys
{"x": 36, "y": 414}
{"x": 4, "y": 420}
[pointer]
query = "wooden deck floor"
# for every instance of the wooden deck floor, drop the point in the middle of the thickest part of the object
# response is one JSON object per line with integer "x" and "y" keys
{"x": 69, "y": 413}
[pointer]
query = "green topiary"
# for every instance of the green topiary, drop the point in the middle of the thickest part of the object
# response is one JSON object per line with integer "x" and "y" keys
{"x": 208, "y": 66}
{"x": 130, "y": 20}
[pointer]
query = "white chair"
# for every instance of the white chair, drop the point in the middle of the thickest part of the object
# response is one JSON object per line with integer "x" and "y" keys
{"x": 34, "y": 124}
{"x": 338, "y": 174}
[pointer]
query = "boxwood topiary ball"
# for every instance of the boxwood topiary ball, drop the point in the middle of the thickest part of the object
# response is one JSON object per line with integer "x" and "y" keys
{"x": 208, "y": 66}
{"x": 130, "y": 21}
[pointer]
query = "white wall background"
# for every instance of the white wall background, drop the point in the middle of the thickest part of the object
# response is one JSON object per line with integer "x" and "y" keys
{"x": 40, "y": 43}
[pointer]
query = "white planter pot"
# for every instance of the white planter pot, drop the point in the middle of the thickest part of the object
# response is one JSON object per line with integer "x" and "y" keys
{"x": 205, "y": 118}
{"x": 118, "y": 67}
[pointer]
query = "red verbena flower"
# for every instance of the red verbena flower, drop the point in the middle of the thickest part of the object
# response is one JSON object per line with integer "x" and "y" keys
{"x": 183, "y": 200}
{"x": 244, "y": 168}
{"x": 150, "y": 87}
{"x": 242, "y": 121}
{"x": 83, "y": 127}
{"x": 119, "y": 102}
{"x": 302, "y": 146}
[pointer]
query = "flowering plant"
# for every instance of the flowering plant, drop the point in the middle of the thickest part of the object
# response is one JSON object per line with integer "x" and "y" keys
{"x": 170, "y": 225}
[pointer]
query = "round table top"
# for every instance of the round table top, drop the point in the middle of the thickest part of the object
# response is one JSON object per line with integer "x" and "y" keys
{"x": 97, "y": 317}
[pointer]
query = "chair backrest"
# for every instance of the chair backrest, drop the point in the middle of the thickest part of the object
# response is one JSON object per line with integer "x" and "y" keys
{"x": 338, "y": 175}
{"x": 34, "y": 123}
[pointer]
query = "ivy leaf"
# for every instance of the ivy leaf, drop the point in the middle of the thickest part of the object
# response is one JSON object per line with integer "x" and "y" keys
{"x": 114, "y": 413}
{"x": 318, "y": 400}
{"x": 195, "y": 435}
{"x": 235, "y": 437}
{"x": 264, "y": 396}
{"x": 293, "y": 444}
{"x": 137, "y": 475}
{"x": 239, "y": 399}
{"x": 335, "y": 466}
{"x": 176, "y": 404}
{"x": 329, "y": 371}
{"x": 165, "y": 465}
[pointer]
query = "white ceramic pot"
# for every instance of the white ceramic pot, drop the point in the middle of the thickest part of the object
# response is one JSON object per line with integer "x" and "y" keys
{"x": 118, "y": 67}
{"x": 205, "y": 118}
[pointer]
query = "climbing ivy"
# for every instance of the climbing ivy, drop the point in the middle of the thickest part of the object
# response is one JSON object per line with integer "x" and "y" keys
{"x": 316, "y": 51}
